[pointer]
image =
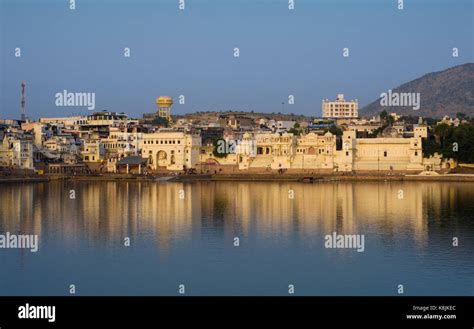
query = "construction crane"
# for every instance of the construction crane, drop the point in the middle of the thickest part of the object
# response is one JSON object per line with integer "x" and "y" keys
{"x": 22, "y": 102}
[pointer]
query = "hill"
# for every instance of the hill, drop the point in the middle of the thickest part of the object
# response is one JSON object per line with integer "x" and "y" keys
{"x": 441, "y": 93}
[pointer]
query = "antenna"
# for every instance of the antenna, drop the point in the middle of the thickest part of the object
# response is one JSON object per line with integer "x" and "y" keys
{"x": 22, "y": 102}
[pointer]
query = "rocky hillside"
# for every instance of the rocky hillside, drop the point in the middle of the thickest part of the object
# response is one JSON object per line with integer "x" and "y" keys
{"x": 441, "y": 93}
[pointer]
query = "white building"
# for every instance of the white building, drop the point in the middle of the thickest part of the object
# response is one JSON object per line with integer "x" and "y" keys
{"x": 340, "y": 108}
{"x": 120, "y": 143}
{"x": 282, "y": 125}
{"x": 68, "y": 122}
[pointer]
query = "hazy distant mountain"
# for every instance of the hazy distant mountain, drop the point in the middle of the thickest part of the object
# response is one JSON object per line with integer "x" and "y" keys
{"x": 441, "y": 93}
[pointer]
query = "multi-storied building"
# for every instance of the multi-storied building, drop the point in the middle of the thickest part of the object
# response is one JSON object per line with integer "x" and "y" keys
{"x": 340, "y": 108}
{"x": 315, "y": 151}
{"x": 122, "y": 143}
{"x": 68, "y": 122}
{"x": 312, "y": 151}
{"x": 92, "y": 151}
{"x": 16, "y": 152}
{"x": 170, "y": 150}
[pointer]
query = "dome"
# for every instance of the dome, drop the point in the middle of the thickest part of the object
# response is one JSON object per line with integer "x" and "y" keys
{"x": 164, "y": 101}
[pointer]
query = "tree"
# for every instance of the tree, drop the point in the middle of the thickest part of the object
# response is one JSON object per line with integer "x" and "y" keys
{"x": 296, "y": 129}
{"x": 451, "y": 142}
{"x": 390, "y": 120}
{"x": 334, "y": 130}
{"x": 441, "y": 131}
{"x": 383, "y": 115}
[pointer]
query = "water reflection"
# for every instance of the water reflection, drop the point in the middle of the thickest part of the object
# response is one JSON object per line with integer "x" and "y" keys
{"x": 106, "y": 212}
{"x": 185, "y": 231}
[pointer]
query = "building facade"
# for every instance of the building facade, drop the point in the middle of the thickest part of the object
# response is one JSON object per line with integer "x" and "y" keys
{"x": 340, "y": 108}
{"x": 170, "y": 150}
{"x": 312, "y": 151}
{"x": 16, "y": 152}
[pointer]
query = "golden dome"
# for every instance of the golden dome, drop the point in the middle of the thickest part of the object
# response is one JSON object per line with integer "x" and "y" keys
{"x": 164, "y": 101}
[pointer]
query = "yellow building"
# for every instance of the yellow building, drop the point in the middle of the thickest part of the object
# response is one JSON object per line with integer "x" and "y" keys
{"x": 315, "y": 152}
{"x": 388, "y": 154}
{"x": 274, "y": 151}
{"x": 16, "y": 152}
{"x": 374, "y": 154}
{"x": 92, "y": 151}
{"x": 170, "y": 150}
{"x": 420, "y": 131}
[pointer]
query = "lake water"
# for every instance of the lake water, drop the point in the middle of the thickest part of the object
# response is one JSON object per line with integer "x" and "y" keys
{"x": 184, "y": 233}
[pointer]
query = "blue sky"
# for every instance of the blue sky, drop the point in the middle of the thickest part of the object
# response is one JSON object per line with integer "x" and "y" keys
{"x": 190, "y": 52}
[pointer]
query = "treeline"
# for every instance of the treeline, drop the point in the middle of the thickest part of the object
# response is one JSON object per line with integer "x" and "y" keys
{"x": 451, "y": 142}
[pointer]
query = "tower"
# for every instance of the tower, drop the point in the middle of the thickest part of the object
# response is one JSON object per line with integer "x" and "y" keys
{"x": 164, "y": 107}
{"x": 22, "y": 102}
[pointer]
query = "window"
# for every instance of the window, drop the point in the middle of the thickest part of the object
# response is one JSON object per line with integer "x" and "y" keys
{"x": 416, "y": 153}
{"x": 347, "y": 154}
{"x": 385, "y": 153}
